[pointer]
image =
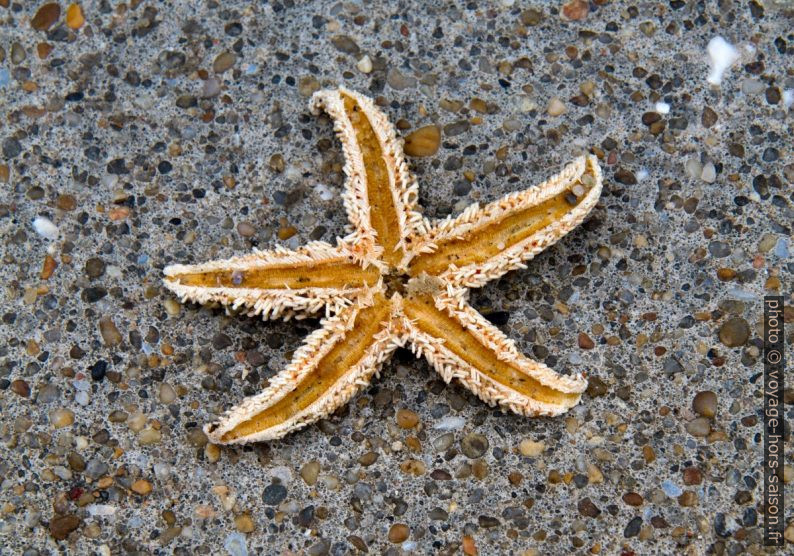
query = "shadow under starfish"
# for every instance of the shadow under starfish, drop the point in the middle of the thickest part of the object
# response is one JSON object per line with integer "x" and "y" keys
{"x": 395, "y": 279}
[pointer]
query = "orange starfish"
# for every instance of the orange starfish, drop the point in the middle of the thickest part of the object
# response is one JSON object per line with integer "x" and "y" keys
{"x": 396, "y": 279}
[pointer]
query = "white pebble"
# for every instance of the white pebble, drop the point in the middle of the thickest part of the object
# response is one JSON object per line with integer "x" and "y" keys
{"x": 450, "y": 424}
{"x": 693, "y": 168}
{"x": 235, "y": 544}
{"x": 723, "y": 55}
{"x": 101, "y": 509}
{"x": 788, "y": 98}
{"x": 45, "y": 228}
{"x": 323, "y": 191}
{"x": 709, "y": 173}
{"x": 81, "y": 398}
{"x": 642, "y": 174}
{"x": 282, "y": 473}
{"x": 162, "y": 471}
{"x": 662, "y": 107}
{"x": 365, "y": 64}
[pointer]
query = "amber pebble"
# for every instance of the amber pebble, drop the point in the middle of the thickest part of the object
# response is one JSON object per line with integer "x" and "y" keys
{"x": 398, "y": 533}
{"x": 423, "y": 142}
{"x": 48, "y": 267}
{"x": 74, "y": 16}
{"x": 407, "y": 419}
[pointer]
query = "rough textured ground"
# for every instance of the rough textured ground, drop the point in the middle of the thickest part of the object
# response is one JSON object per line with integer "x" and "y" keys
{"x": 162, "y": 132}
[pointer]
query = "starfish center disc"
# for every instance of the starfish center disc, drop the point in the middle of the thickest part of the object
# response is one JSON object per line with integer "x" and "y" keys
{"x": 395, "y": 282}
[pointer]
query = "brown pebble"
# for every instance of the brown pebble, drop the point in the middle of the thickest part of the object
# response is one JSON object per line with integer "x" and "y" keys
{"x": 575, "y": 9}
{"x": 726, "y": 274}
{"x": 406, "y": 419}
{"x": 692, "y": 476}
{"x": 587, "y": 508}
{"x": 276, "y": 163}
{"x": 705, "y": 403}
{"x": 20, "y": 388}
{"x": 709, "y": 117}
{"x": 632, "y": 499}
{"x": 688, "y": 499}
{"x": 223, "y": 62}
{"x": 61, "y": 526}
{"x": 76, "y": 462}
{"x": 46, "y": 16}
{"x": 110, "y": 334}
{"x": 423, "y": 142}
{"x": 515, "y": 478}
{"x": 94, "y": 267}
{"x": 596, "y": 387}
{"x": 479, "y": 469}
{"x": 734, "y": 332}
{"x": 368, "y": 459}
{"x": 398, "y": 533}
{"x": 307, "y": 85}
{"x": 585, "y": 342}
{"x": 469, "y": 546}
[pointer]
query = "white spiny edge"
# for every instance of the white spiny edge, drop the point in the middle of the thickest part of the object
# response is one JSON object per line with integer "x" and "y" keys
{"x": 450, "y": 366}
{"x": 269, "y": 303}
{"x": 306, "y": 358}
{"x": 404, "y": 190}
{"x": 474, "y": 216}
{"x": 477, "y": 275}
{"x": 403, "y": 186}
{"x": 505, "y": 348}
{"x": 362, "y": 238}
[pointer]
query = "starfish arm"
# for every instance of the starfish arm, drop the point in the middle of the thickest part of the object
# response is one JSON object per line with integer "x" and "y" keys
{"x": 460, "y": 343}
{"x": 277, "y": 283}
{"x": 333, "y": 363}
{"x": 482, "y": 244}
{"x": 380, "y": 193}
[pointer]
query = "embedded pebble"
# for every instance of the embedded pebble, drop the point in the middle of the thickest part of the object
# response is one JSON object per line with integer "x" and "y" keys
{"x": 423, "y": 142}
{"x": 364, "y": 65}
{"x": 734, "y": 332}
{"x": 531, "y": 448}
{"x": 705, "y": 403}
{"x": 473, "y": 445}
{"x": 406, "y": 419}
{"x": 398, "y": 533}
{"x": 555, "y": 107}
{"x": 45, "y": 228}
{"x": 142, "y": 487}
{"x": 61, "y": 418}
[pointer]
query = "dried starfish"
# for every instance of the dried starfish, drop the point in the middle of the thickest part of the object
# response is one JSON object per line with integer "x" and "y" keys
{"x": 395, "y": 279}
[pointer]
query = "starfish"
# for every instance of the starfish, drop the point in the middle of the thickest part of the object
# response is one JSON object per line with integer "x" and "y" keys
{"x": 395, "y": 279}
